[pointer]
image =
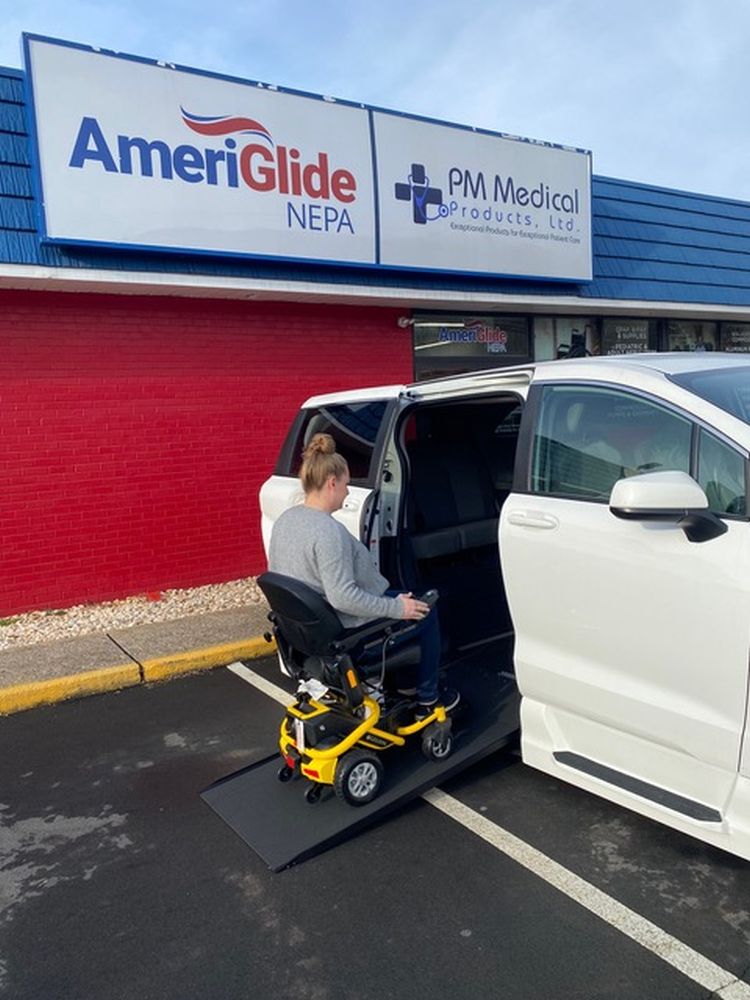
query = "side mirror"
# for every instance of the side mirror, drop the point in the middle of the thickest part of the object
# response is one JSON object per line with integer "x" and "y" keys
{"x": 671, "y": 497}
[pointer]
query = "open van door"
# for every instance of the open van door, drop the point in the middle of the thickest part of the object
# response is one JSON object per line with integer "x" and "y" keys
{"x": 377, "y": 432}
{"x": 358, "y": 424}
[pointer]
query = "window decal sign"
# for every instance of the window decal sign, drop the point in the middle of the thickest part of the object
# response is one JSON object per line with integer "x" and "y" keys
{"x": 146, "y": 155}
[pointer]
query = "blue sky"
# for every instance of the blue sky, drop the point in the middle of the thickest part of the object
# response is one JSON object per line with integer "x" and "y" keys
{"x": 657, "y": 90}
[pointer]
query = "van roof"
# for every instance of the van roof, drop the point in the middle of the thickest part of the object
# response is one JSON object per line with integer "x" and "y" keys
{"x": 668, "y": 363}
{"x": 672, "y": 363}
{"x": 355, "y": 395}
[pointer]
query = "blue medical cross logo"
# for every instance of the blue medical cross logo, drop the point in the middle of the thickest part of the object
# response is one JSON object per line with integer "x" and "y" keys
{"x": 419, "y": 192}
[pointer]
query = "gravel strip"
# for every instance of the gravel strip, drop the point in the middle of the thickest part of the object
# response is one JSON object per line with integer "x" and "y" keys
{"x": 67, "y": 623}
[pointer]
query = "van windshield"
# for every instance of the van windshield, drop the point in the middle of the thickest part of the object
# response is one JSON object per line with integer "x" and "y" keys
{"x": 729, "y": 389}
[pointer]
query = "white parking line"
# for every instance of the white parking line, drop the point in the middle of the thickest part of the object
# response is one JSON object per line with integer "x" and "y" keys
{"x": 669, "y": 949}
{"x": 681, "y": 957}
{"x": 277, "y": 693}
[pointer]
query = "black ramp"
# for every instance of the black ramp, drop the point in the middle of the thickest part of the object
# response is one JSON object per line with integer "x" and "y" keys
{"x": 283, "y": 828}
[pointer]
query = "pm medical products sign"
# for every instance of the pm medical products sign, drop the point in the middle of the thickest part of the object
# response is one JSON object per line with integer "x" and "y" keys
{"x": 146, "y": 155}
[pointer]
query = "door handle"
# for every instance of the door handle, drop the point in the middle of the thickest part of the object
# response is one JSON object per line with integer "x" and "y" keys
{"x": 351, "y": 505}
{"x": 533, "y": 519}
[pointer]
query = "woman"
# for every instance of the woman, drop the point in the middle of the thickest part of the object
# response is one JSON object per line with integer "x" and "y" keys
{"x": 310, "y": 545}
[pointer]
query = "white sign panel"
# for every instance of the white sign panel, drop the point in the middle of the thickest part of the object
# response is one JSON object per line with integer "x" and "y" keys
{"x": 136, "y": 153}
{"x": 145, "y": 155}
{"x": 458, "y": 200}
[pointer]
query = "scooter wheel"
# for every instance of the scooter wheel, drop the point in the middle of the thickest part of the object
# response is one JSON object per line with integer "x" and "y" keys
{"x": 313, "y": 794}
{"x": 285, "y": 773}
{"x": 437, "y": 741}
{"x": 358, "y": 777}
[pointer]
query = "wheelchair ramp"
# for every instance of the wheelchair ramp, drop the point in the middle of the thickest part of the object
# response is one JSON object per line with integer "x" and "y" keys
{"x": 275, "y": 820}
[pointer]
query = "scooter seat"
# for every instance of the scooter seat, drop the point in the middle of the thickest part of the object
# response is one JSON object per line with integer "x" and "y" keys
{"x": 314, "y": 641}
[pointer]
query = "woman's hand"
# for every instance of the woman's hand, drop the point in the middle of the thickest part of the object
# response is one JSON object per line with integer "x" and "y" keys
{"x": 413, "y": 609}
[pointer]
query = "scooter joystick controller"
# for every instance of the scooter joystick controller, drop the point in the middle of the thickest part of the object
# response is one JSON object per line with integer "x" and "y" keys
{"x": 430, "y": 597}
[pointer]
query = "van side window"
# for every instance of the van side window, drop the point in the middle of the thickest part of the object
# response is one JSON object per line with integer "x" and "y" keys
{"x": 721, "y": 473}
{"x": 586, "y": 439}
{"x": 353, "y": 426}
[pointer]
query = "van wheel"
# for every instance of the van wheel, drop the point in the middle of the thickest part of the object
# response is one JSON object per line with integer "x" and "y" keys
{"x": 285, "y": 773}
{"x": 358, "y": 777}
{"x": 437, "y": 741}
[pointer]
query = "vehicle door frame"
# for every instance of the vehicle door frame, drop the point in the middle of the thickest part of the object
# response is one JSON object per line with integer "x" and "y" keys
{"x": 364, "y": 495}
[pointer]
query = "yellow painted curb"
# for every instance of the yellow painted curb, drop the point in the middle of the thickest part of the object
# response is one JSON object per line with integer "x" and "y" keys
{"x": 47, "y": 692}
{"x": 162, "y": 667}
{"x": 23, "y": 696}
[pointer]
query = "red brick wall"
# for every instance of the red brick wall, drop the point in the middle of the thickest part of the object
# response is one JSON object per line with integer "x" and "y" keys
{"x": 135, "y": 432}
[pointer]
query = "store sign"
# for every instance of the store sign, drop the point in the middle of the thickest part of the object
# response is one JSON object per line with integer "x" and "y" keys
{"x": 146, "y": 155}
{"x": 475, "y": 337}
{"x": 629, "y": 336}
{"x": 481, "y": 203}
{"x": 735, "y": 337}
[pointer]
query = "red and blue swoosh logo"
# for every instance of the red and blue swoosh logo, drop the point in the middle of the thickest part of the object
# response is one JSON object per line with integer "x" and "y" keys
{"x": 225, "y": 125}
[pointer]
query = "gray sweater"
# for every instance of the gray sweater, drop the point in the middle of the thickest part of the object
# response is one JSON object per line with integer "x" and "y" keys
{"x": 313, "y": 547}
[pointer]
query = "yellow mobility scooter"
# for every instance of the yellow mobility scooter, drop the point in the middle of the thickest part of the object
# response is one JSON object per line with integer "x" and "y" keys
{"x": 342, "y": 720}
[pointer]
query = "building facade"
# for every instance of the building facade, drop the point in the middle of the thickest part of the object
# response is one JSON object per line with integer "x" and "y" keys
{"x": 145, "y": 395}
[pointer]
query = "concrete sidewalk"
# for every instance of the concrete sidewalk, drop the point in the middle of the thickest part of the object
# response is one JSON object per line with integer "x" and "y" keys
{"x": 48, "y": 672}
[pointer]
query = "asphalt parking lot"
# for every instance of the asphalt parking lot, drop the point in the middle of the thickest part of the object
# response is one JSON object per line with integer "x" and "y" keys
{"x": 116, "y": 880}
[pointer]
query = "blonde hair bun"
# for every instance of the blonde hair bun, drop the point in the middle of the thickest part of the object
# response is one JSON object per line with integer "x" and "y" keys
{"x": 320, "y": 444}
{"x": 320, "y": 461}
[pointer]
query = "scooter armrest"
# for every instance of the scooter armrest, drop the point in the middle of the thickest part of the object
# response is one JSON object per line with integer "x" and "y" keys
{"x": 381, "y": 629}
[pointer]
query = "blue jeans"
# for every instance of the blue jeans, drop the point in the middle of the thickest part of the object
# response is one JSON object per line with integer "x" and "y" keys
{"x": 426, "y": 634}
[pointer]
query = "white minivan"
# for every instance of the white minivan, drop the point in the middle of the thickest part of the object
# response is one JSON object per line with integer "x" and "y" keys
{"x": 594, "y": 511}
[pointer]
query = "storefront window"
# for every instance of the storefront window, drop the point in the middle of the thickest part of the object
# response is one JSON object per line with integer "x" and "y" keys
{"x": 445, "y": 345}
{"x": 735, "y": 337}
{"x": 692, "y": 335}
{"x": 575, "y": 337}
{"x": 627, "y": 336}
